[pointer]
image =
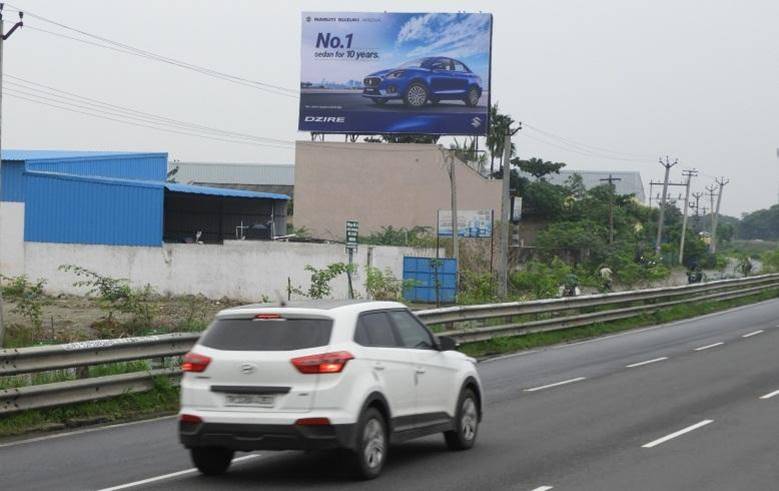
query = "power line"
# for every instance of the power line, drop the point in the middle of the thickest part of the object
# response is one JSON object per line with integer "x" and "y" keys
{"x": 585, "y": 146}
{"x": 134, "y": 113}
{"x": 93, "y": 114}
{"x": 585, "y": 153}
{"x": 132, "y": 50}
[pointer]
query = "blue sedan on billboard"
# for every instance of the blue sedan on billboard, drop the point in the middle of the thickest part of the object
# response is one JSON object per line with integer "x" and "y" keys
{"x": 424, "y": 80}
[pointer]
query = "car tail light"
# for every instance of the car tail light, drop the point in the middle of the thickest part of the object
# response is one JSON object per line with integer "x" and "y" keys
{"x": 268, "y": 317}
{"x": 324, "y": 363}
{"x": 313, "y": 422}
{"x": 195, "y": 363}
{"x": 190, "y": 419}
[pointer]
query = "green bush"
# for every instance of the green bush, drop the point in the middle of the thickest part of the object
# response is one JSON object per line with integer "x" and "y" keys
{"x": 384, "y": 285}
{"x": 28, "y": 298}
{"x": 476, "y": 288}
{"x": 539, "y": 279}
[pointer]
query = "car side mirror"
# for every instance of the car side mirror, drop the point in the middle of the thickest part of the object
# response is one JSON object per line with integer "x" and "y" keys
{"x": 446, "y": 343}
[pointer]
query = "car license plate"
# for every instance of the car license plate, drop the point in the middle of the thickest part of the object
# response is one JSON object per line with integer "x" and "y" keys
{"x": 254, "y": 400}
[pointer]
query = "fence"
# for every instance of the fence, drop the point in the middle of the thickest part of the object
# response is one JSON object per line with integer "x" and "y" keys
{"x": 467, "y": 324}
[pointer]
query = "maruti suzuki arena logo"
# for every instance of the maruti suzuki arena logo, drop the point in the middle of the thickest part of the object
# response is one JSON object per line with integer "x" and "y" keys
{"x": 325, "y": 119}
{"x": 476, "y": 122}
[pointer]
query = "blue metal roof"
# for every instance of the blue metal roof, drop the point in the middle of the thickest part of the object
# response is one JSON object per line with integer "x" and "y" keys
{"x": 31, "y": 155}
{"x": 170, "y": 186}
{"x": 234, "y": 193}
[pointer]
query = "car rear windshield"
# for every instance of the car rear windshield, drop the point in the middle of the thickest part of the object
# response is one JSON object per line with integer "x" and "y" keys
{"x": 267, "y": 335}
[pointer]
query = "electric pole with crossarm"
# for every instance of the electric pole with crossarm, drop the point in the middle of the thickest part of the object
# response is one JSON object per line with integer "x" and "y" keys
{"x": 611, "y": 180}
{"x": 3, "y": 37}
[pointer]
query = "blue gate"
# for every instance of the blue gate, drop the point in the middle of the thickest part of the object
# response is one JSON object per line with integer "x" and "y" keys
{"x": 430, "y": 278}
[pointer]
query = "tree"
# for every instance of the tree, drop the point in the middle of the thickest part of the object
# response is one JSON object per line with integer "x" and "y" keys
{"x": 538, "y": 168}
{"x": 500, "y": 124}
{"x": 575, "y": 186}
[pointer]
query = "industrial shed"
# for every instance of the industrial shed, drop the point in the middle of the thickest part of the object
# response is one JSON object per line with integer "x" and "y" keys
{"x": 120, "y": 198}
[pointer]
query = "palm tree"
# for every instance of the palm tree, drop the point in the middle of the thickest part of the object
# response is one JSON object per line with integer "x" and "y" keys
{"x": 496, "y": 134}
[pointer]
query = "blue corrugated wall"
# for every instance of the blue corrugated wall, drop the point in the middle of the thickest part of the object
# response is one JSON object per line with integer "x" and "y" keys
{"x": 12, "y": 181}
{"x": 142, "y": 167}
{"x": 80, "y": 210}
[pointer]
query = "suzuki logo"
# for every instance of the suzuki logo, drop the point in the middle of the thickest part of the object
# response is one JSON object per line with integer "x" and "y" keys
{"x": 248, "y": 368}
{"x": 476, "y": 122}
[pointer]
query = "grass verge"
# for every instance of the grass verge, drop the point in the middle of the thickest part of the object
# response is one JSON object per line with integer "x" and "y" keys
{"x": 499, "y": 346}
{"x": 162, "y": 399}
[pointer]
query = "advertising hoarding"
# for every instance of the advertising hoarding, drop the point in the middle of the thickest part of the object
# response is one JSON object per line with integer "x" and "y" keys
{"x": 417, "y": 73}
{"x": 470, "y": 223}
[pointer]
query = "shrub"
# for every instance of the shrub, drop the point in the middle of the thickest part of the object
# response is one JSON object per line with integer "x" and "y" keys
{"x": 384, "y": 285}
{"x": 28, "y": 298}
{"x": 116, "y": 295}
{"x": 476, "y": 288}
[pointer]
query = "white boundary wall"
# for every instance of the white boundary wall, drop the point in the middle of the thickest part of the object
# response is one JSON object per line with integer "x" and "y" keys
{"x": 242, "y": 270}
{"x": 11, "y": 238}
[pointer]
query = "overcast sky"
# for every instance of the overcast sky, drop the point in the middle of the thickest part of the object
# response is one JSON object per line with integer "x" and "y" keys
{"x": 698, "y": 81}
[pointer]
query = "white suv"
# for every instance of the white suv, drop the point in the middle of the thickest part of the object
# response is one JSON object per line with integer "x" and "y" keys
{"x": 355, "y": 375}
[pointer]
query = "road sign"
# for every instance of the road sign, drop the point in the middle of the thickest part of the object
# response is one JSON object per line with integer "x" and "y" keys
{"x": 351, "y": 234}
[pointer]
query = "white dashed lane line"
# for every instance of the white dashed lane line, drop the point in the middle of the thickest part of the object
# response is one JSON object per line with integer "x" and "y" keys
{"x": 754, "y": 333}
{"x": 708, "y": 346}
{"x": 556, "y": 384}
{"x": 647, "y": 362}
{"x": 171, "y": 475}
{"x": 544, "y": 488}
{"x": 770, "y": 395}
{"x": 677, "y": 433}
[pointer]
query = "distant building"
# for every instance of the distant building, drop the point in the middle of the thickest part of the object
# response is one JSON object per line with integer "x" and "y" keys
{"x": 630, "y": 181}
{"x": 120, "y": 198}
{"x": 267, "y": 178}
{"x": 380, "y": 185}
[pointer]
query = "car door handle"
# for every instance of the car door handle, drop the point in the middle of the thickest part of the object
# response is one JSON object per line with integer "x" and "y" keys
{"x": 421, "y": 370}
{"x": 378, "y": 366}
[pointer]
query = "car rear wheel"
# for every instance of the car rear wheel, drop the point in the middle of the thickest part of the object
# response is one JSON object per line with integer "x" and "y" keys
{"x": 466, "y": 424}
{"x": 372, "y": 444}
{"x": 416, "y": 95}
{"x": 212, "y": 461}
{"x": 473, "y": 96}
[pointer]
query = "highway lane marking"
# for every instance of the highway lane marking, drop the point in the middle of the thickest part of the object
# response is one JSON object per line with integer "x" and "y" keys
{"x": 544, "y": 488}
{"x": 709, "y": 346}
{"x": 85, "y": 430}
{"x": 677, "y": 433}
{"x": 754, "y": 333}
{"x": 513, "y": 355}
{"x": 171, "y": 475}
{"x": 556, "y": 384}
{"x": 642, "y": 363}
{"x": 770, "y": 395}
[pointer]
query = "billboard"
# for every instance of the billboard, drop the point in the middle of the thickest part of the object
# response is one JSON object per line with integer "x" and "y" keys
{"x": 470, "y": 223}
{"x": 418, "y": 73}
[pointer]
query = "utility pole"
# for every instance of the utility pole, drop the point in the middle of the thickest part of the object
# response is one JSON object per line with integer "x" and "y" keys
{"x": 689, "y": 174}
{"x": 711, "y": 190}
{"x": 455, "y": 231}
{"x": 3, "y": 37}
{"x": 611, "y": 180}
{"x": 697, "y": 196}
{"x": 505, "y": 215}
{"x": 721, "y": 181}
{"x": 667, "y": 164}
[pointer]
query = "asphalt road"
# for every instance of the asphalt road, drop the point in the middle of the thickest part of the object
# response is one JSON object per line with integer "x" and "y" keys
{"x": 356, "y": 102}
{"x": 692, "y": 405}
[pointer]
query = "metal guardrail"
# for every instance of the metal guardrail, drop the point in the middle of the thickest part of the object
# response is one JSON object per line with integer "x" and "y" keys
{"x": 470, "y": 323}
